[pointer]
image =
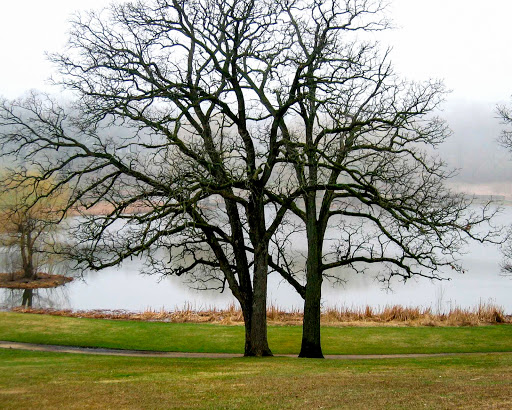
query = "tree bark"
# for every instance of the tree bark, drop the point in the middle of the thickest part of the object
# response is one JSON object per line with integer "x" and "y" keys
{"x": 246, "y": 307}
{"x": 258, "y": 342}
{"x": 311, "y": 344}
{"x": 27, "y": 256}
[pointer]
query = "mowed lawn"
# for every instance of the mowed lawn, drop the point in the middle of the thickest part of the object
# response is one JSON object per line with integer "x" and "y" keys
{"x": 186, "y": 337}
{"x": 57, "y": 380}
{"x": 75, "y": 381}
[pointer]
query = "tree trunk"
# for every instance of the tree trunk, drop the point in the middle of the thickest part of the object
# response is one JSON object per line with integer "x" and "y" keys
{"x": 311, "y": 344}
{"x": 257, "y": 345}
{"x": 28, "y": 270}
{"x": 258, "y": 342}
{"x": 247, "y": 313}
{"x": 251, "y": 294}
{"x": 27, "y": 256}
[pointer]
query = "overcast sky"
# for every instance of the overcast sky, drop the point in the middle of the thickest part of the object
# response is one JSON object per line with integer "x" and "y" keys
{"x": 466, "y": 43}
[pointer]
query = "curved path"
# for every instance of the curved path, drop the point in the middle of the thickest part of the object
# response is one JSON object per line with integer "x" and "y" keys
{"x": 149, "y": 353}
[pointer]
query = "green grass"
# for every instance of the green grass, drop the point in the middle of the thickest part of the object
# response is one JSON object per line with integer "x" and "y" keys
{"x": 18, "y": 327}
{"x": 51, "y": 380}
{"x": 55, "y": 380}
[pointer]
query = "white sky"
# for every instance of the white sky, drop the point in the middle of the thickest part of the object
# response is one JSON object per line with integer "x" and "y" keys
{"x": 28, "y": 29}
{"x": 466, "y": 43}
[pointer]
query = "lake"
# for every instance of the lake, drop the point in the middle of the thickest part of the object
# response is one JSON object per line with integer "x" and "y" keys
{"x": 124, "y": 288}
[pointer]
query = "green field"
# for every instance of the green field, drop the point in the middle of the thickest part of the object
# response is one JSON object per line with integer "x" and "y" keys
{"x": 185, "y": 337}
{"x": 50, "y": 380}
{"x": 57, "y": 380}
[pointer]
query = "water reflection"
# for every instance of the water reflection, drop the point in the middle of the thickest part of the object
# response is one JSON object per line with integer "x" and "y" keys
{"x": 52, "y": 298}
{"x": 27, "y": 297}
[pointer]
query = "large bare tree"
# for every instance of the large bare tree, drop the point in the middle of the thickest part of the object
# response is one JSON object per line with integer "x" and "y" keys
{"x": 361, "y": 147}
{"x": 178, "y": 113}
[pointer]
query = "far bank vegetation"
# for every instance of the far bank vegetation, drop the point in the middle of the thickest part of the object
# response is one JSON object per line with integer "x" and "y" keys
{"x": 483, "y": 314}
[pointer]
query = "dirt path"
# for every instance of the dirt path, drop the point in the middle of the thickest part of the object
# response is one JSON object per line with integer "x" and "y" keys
{"x": 148, "y": 353}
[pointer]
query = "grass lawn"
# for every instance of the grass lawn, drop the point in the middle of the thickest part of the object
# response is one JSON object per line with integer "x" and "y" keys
{"x": 19, "y": 327}
{"x": 56, "y": 380}
{"x": 51, "y": 380}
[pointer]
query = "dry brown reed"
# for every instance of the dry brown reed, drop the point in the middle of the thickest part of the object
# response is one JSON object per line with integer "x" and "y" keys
{"x": 484, "y": 313}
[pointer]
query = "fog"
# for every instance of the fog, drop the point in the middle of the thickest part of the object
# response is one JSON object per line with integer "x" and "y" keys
{"x": 484, "y": 167}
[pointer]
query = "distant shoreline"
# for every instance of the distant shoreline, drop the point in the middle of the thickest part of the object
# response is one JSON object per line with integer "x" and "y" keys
{"x": 483, "y": 314}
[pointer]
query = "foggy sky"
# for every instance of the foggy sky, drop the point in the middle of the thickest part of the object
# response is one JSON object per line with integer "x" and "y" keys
{"x": 465, "y": 43}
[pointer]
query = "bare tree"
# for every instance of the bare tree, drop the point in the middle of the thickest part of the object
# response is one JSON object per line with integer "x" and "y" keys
{"x": 359, "y": 149}
{"x": 178, "y": 114}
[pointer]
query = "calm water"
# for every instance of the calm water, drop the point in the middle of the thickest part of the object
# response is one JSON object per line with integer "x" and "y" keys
{"x": 124, "y": 288}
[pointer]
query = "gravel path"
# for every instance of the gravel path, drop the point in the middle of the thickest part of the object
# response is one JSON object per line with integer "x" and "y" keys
{"x": 149, "y": 353}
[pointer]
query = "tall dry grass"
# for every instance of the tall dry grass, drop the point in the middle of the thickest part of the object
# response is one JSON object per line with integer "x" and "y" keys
{"x": 484, "y": 313}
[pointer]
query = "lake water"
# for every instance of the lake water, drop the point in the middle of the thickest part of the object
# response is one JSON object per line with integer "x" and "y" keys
{"x": 124, "y": 288}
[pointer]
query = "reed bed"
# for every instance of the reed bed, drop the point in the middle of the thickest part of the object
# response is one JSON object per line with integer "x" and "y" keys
{"x": 484, "y": 313}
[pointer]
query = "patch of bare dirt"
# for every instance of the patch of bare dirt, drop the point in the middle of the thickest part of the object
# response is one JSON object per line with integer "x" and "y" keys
{"x": 43, "y": 280}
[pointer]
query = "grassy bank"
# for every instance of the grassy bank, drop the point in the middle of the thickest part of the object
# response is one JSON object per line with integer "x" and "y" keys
{"x": 49, "y": 380}
{"x": 186, "y": 337}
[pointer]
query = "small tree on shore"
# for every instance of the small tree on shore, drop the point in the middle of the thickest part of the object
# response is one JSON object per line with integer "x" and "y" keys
{"x": 30, "y": 210}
